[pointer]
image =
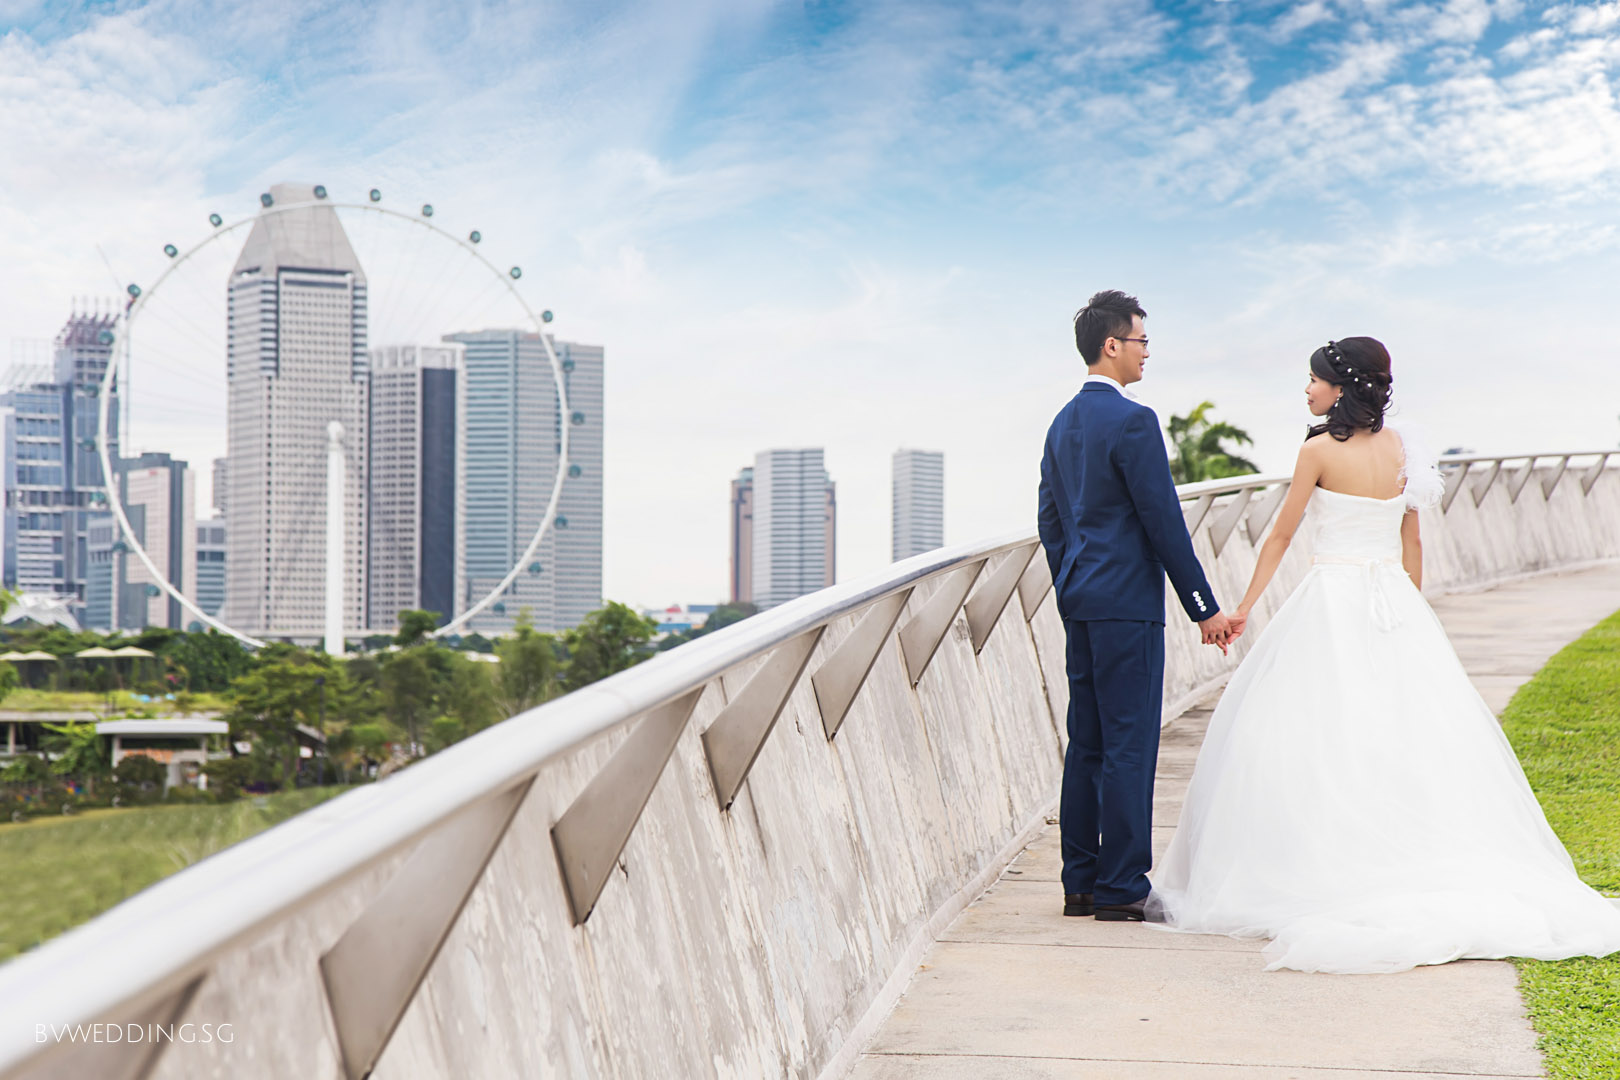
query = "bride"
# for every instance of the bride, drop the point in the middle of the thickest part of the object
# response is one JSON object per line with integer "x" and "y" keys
{"x": 1355, "y": 800}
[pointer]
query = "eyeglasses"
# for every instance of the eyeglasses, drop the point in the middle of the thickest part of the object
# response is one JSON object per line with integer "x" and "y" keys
{"x": 1143, "y": 340}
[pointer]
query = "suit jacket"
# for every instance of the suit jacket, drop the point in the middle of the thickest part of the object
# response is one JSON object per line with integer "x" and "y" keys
{"x": 1109, "y": 517}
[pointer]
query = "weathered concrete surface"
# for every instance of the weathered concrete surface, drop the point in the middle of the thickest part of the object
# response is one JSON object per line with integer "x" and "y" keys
{"x": 1014, "y": 989}
{"x": 769, "y": 940}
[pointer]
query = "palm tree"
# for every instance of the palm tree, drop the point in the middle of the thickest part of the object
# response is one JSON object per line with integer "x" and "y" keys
{"x": 1198, "y": 450}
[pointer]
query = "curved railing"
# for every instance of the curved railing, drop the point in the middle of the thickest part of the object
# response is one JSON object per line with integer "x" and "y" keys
{"x": 343, "y": 912}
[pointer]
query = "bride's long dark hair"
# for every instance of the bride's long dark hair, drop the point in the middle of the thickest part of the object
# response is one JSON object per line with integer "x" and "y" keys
{"x": 1360, "y": 367}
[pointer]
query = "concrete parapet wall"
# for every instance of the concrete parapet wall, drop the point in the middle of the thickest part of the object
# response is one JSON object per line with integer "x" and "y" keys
{"x": 765, "y": 939}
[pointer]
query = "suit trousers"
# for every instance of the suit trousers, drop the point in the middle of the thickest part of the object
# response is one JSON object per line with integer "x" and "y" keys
{"x": 1116, "y": 694}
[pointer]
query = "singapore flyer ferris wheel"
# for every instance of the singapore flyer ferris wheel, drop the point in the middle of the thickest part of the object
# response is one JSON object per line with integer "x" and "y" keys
{"x": 320, "y": 342}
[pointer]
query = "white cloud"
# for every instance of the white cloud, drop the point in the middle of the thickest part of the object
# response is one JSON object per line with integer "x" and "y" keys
{"x": 870, "y": 234}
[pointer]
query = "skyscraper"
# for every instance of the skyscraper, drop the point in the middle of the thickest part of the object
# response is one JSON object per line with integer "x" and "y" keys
{"x": 53, "y": 474}
{"x": 296, "y": 360}
{"x": 509, "y": 432}
{"x": 742, "y": 537}
{"x": 794, "y": 525}
{"x": 210, "y": 565}
{"x": 413, "y": 472}
{"x": 120, "y": 593}
{"x": 919, "y": 502}
{"x": 163, "y": 488}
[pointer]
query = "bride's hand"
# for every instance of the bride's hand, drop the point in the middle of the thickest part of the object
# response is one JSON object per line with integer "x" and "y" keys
{"x": 1238, "y": 621}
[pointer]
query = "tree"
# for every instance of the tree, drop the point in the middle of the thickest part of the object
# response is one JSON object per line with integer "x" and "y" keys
{"x": 1199, "y": 451}
{"x": 528, "y": 672}
{"x": 406, "y": 683}
{"x": 415, "y": 625}
{"x": 80, "y": 752}
{"x": 203, "y": 661}
{"x": 280, "y": 693}
{"x": 608, "y": 641}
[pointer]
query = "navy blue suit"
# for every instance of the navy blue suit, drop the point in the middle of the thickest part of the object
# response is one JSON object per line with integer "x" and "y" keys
{"x": 1112, "y": 527}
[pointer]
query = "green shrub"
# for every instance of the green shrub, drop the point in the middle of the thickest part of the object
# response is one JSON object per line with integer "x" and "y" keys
{"x": 139, "y": 780}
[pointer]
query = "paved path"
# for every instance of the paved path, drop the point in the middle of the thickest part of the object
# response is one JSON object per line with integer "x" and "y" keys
{"x": 1014, "y": 989}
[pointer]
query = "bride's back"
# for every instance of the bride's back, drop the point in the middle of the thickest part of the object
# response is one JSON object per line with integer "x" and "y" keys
{"x": 1368, "y": 464}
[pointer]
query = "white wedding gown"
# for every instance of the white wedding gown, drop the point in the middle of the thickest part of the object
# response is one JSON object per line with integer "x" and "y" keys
{"x": 1355, "y": 800}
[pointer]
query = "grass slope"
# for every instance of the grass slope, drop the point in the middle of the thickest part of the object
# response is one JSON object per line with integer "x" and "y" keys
{"x": 1565, "y": 726}
{"x": 63, "y": 871}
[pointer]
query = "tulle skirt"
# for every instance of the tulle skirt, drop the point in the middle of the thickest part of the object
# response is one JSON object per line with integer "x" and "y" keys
{"x": 1356, "y": 801}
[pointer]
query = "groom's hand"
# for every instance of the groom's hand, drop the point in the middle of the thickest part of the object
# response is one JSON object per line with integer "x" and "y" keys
{"x": 1217, "y": 630}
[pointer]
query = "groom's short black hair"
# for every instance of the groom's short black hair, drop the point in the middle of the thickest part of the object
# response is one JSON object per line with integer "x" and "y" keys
{"x": 1106, "y": 315}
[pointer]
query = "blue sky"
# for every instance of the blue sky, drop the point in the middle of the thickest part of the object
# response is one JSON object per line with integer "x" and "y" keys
{"x": 867, "y": 225}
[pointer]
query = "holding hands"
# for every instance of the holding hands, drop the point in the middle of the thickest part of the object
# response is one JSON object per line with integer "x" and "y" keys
{"x": 1221, "y": 630}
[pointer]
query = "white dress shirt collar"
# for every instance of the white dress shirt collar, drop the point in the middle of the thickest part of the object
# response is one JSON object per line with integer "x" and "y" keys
{"x": 1108, "y": 381}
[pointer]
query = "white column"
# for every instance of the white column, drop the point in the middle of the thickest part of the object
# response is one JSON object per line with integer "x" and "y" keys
{"x": 334, "y": 538}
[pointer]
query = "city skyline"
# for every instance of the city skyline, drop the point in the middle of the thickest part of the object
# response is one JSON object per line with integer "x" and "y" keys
{"x": 862, "y": 228}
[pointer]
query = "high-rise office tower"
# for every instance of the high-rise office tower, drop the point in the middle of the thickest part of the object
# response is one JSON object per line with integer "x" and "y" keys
{"x": 919, "y": 502}
{"x": 578, "y": 549}
{"x": 413, "y": 482}
{"x": 794, "y": 526}
{"x": 508, "y": 432}
{"x": 120, "y": 592}
{"x": 162, "y": 488}
{"x": 222, "y": 483}
{"x": 296, "y": 361}
{"x": 210, "y": 594}
{"x": 53, "y": 474}
{"x": 742, "y": 538}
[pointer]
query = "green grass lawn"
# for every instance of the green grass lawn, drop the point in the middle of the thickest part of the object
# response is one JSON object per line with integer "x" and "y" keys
{"x": 62, "y": 871}
{"x": 1565, "y": 726}
{"x": 25, "y": 700}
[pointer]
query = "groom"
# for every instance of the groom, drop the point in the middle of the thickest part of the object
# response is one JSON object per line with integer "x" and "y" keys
{"x": 1112, "y": 526}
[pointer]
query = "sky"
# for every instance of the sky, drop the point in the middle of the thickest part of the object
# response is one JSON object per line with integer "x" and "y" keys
{"x": 868, "y": 226}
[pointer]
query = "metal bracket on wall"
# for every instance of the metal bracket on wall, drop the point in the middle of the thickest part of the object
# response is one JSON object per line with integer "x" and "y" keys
{"x": 592, "y": 832}
{"x": 1454, "y": 482}
{"x": 734, "y": 740}
{"x": 1592, "y": 474}
{"x": 1484, "y": 486}
{"x": 988, "y": 601}
{"x": 1519, "y": 478}
{"x": 1549, "y": 483}
{"x": 1194, "y": 515}
{"x": 920, "y": 637}
{"x": 1264, "y": 510}
{"x": 841, "y": 676}
{"x": 1033, "y": 585}
{"x": 376, "y": 967}
{"x": 1221, "y": 531}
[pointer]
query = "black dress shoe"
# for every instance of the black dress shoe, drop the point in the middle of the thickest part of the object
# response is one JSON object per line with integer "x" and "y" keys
{"x": 1077, "y": 903}
{"x": 1140, "y": 911}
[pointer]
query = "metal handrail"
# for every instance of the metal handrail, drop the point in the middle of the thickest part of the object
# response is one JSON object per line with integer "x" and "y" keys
{"x": 159, "y": 941}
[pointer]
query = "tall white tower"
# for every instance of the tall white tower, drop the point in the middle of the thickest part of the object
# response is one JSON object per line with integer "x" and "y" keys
{"x": 296, "y": 362}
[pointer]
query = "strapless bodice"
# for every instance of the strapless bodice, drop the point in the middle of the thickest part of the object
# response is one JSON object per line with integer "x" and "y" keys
{"x": 1354, "y": 526}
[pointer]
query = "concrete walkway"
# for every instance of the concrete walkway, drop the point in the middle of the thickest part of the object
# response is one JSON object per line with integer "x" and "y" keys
{"x": 1014, "y": 989}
